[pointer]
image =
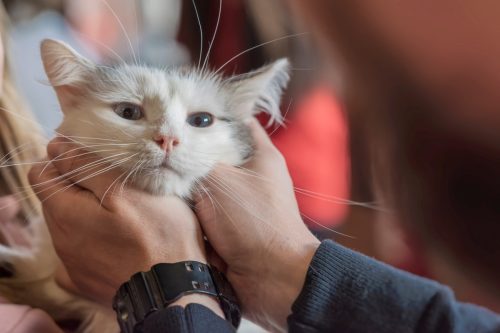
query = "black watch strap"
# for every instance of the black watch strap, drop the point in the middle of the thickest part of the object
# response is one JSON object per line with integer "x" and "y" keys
{"x": 147, "y": 292}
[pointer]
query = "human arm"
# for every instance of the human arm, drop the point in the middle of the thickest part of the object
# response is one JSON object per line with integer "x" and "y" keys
{"x": 265, "y": 245}
{"x": 350, "y": 292}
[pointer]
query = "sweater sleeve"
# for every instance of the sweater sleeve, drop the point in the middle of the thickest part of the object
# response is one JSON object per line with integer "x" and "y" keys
{"x": 194, "y": 318}
{"x": 348, "y": 292}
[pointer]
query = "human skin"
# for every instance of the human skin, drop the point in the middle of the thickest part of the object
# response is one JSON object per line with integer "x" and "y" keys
{"x": 105, "y": 237}
{"x": 252, "y": 221}
{"x": 103, "y": 240}
{"x": 257, "y": 240}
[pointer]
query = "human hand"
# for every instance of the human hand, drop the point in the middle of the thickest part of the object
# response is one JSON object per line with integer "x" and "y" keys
{"x": 251, "y": 219}
{"x": 104, "y": 237}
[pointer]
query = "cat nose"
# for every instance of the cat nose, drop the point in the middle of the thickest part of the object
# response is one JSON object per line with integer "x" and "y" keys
{"x": 166, "y": 143}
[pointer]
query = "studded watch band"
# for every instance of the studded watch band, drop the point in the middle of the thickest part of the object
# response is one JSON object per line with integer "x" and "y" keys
{"x": 147, "y": 292}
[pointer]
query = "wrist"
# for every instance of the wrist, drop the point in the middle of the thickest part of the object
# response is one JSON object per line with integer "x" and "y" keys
{"x": 174, "y": 284}
{"x": 285, "y": 280}
{"x": 206, "y": 300}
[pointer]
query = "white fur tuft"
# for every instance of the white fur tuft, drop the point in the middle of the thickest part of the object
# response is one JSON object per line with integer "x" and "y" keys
{"x": 261, "y": 90}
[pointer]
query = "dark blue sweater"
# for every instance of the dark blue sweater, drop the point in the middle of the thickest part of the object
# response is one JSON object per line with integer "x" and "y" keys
{"x": 348, "y": 292}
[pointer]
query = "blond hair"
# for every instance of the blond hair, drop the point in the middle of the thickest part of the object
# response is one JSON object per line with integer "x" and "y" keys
{"x": 20, "y": 137}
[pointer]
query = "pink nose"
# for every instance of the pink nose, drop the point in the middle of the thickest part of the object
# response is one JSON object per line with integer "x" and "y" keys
{"x": 166, "y": 143}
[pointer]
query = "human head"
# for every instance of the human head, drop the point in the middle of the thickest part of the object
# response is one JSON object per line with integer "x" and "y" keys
{"x": 422, "y": 77}
{"x": 20, "y": 138}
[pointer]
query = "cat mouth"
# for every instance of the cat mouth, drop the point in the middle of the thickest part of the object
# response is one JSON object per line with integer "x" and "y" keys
{"x": 165, "y": 166}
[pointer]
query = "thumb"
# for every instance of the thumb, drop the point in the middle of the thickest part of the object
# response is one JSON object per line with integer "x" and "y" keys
{"x": 259, "y": 134}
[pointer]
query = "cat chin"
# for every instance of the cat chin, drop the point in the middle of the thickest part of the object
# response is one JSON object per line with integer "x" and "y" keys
{"x": 165, "y": 184}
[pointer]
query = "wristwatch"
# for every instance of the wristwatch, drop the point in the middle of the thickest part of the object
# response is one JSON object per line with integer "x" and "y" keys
{"x": 147, "y": 292}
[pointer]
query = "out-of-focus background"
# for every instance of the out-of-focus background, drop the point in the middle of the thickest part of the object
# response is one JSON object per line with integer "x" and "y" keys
{"x": 324, "y": 155}
{"x": 246, "y": 35}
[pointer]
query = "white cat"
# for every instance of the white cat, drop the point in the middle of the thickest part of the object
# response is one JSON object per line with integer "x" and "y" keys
{"x": 165, "y": 129}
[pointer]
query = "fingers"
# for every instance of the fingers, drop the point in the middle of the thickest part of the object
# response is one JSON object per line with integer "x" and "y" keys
{"x": 9, "y": 207}
{"x": 259, "y": 134}
{"x": 81, "y": 167}
{"x": 46, "y": 182}
{"x": 63, "y": 202}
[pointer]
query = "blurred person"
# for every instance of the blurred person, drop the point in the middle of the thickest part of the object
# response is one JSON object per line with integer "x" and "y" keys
{"x": 28, "y": 262}
{"x": 17, "y": 130}
{"x": 428, "y": 104}
{"x": 33, "y": 22}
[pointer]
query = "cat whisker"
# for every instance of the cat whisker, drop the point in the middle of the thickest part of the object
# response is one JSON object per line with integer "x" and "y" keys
{"x": 78, "y": 148}
{"x": 245, "y": 172}
{"x": 134, "y": 169}
{"x": 71, "y": 157}
{"x": 122, "y": 27}
{"x": 227, "y": 190}
{"x": 317, "y": 195}
{"x": 28, "y": 192}
{"x": 201, "y": 32}
{"x": 127, "y": 134}
{"x": 14, "y": 152}
{"x": 215, "y": 203}
{"x": 84, "y": 168}
{"x": 111, "y": 186}
{"x": 338, "y": 200}
{"x": 283, "y": 124}
{"x": 139, "y": 168}
{"x": 232, "y": 195}
{"x": 92, "y": 138}
{"x": 20, "y": 164}
{"x": 96, "y": 144}
{"x": 61, "y": 180}
{"x": 256, "y": 47}
{"x": 107, "y": 47}
{"x": 95, "y": 174}
{"x": 205, "y": 63}
{"x": 25, "y": 119}
{"x": 136, "y": 21}
{"x": 325, "y": 227}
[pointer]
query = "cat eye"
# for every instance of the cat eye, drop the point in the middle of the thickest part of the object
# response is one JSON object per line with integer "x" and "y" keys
{"x": 200, "y": 119}
{"x": 129, "y": 111}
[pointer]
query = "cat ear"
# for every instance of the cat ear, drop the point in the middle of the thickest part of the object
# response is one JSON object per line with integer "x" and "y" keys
{"x": 66, "y": 70}
{"x": 260, "y": 90}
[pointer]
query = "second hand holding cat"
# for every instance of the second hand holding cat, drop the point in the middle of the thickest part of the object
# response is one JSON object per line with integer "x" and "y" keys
{"x": 251, "y": 218}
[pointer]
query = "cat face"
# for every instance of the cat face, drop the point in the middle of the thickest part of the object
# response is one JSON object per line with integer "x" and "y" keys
{"x": 165, "y": 129}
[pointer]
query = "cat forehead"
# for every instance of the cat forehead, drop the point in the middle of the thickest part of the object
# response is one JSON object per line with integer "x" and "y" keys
{"x": 138, "y": 84}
